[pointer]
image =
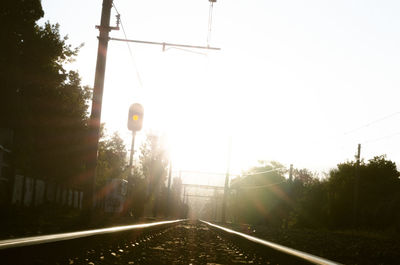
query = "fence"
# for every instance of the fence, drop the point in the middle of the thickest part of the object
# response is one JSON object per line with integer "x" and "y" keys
{"x": 28, "y": 192}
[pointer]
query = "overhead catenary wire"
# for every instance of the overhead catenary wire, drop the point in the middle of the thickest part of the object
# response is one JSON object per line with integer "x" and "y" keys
{"x": 165, "y": 44}
{"x": 129, "y": 48}
{"x": 263, "y": 172}
{"x": 262, "y": 186}
{"x": 381, "y": 138}
{"x": 366, "y": 125}
{"x": 372, "y": 122}
{"x": 347, "y": 133}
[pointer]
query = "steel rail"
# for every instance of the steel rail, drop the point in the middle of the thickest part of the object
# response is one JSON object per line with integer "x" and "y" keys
{"x": 36, "y": 240}
{"x": 289, "y": 251}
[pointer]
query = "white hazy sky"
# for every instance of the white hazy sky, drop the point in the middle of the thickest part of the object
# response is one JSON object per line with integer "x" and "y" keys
{"x": 292, "y": 78}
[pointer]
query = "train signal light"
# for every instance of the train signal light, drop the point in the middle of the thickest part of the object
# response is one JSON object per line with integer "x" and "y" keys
{"x": 135, "y": 117}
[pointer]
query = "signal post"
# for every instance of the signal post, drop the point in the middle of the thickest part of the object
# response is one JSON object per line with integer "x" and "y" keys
{"x": 135, "y": 123}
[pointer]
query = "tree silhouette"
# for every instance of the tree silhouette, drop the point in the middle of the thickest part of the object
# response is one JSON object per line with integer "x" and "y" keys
{"x": 111, "y": 160}
{"x": 308, "y": 201}
{"x": 261, "y": 195}
{"x": 41, "y": 102}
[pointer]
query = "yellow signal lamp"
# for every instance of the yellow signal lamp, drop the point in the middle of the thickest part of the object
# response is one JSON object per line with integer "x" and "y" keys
{"x": 135, "y": 117}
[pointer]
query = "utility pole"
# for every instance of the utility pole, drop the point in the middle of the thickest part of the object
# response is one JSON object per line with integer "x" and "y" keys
{"x": 216, "y": 204}
{"x": 291, "y": 173}
{"x": 226, "y": 188}
{"x": 95, "y": 116}
{"x": 184, "y": 193}
{"x": 356, "y": 186}
{"x": 169, "y": 188}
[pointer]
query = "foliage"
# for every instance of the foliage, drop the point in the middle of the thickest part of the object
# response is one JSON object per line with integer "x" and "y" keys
{"x": 308, "y": 201}
{"x": 378, "y": 196}
{"x": 111, "y": 160}
{"x": 148, "y": 183}
{"x": 310, "y": 198}
{"x": 154, "y": 163}
{"x": 260, "y": 195}
{"x": 44, "y": 104}
{"x": 176, "y": 207}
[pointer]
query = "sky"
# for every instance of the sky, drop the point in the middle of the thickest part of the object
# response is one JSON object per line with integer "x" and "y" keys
{"x": 298, "y": 82}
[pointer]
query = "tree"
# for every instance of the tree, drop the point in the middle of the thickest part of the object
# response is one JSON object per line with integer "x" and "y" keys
{"x": 154, "y": 163}
{"x": 147, "y": 186}
{"x": 111, "y": 164}
{"x": 176, "y": 205}
{"x": 44, "y": 104}
{"x": 379, "y": 194}
{"x": 304, "y": 176}
{"x": 111, "y": 160}
{"x": 262, "y": 195}
{"x": 310, "y": 198}
{"x": 20, "y": 18}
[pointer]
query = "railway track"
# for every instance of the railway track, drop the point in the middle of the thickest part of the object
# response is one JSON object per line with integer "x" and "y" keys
{"x": 169, "y": 242}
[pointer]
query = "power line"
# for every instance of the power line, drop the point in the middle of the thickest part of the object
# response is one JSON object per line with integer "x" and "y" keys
{"x": 262, "y": 172}
{"x": 129, "y": 47}
{"x": 372, "y": 122}
{"x": 341, "y": 136}
{"x": 262, "y": 186}
{"x": 381, "y": 138}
